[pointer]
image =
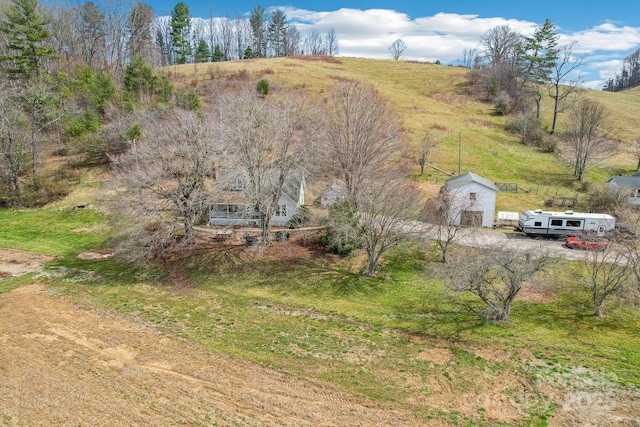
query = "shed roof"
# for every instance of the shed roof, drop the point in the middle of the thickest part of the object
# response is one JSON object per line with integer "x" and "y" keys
{"x": 468, "y": 178}
{"x": 334, "y": 188}
{"x": 626, "y": 181}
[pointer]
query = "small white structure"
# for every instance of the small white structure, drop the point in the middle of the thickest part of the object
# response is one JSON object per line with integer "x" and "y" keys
{"x": 331, "y": 194}
{"x": 508, "y": 219}
{"x": 473, "y": 200}
{"x": 629, "y": 185}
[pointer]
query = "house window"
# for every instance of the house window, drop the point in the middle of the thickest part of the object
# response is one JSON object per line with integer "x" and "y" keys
{"x": 281, "y": 210}
{"x": 573, "y": 223}
{"x": 472, "y": 197}
{"x": 556, "y": 222}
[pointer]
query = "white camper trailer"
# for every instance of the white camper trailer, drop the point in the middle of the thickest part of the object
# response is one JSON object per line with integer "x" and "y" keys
{"x": 543, "y": 223}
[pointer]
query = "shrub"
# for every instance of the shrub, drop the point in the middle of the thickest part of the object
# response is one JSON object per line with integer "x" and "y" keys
{"x": 300, "y": 218}
{"x": 82, "y": 125}
{"x": 548, "y": 143}
{"x": 263, "y": 87}
{"x": 503, "y": 103}
{"x": 189, "y": 101}
{"x": 45, "y": 189}
{"x": 528, "y": 127}
{"x": 604, "y": 199}
{"x": 342, "y": 224}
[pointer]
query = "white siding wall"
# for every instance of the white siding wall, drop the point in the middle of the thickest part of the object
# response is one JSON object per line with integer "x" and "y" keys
{"x": 485, "y": 202}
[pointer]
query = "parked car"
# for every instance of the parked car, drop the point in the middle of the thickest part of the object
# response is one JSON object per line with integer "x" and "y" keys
{"x": 587, "y": 242}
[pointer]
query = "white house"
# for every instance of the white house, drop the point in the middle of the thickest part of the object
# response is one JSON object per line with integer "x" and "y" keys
{"x": 630, "y": 185}
{"x": 233, "y": 207}
{"x": 473, "y": 200}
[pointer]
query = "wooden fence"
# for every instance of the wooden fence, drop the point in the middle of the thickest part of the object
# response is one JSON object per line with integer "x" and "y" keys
{"x": 513, "y": 187}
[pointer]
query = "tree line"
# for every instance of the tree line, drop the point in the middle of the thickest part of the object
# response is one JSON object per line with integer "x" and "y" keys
{"x": 515, "y": 72}
{"x": 629, "y": 74}
{"x": 107, "y": 35}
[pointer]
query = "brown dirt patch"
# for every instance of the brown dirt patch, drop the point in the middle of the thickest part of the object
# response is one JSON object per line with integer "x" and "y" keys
{"x": 312, "y": 58}
{"x": 98, "y": 253}
{"x": 538, "y": 293}
{"x": 14, "y": 262}
{"x": 64, "y": 365}
{"x": 439, "y": 356}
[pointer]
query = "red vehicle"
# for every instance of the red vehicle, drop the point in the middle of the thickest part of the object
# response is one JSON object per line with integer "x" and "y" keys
{"x": 587, "y": 242}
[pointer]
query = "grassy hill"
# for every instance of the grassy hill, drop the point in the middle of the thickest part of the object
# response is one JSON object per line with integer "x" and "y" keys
{"x": 429, "y": 96}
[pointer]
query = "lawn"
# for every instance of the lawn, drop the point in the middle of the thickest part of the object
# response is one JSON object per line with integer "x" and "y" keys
{"x": 317, "y": 317}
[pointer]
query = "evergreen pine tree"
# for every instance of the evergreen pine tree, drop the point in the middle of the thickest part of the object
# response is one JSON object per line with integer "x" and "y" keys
{"x": 180, "y": 32}
{"x": 25, "y": 28}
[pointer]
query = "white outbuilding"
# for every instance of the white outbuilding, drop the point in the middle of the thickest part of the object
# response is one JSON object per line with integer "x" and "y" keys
{"x": 472, "y": 200}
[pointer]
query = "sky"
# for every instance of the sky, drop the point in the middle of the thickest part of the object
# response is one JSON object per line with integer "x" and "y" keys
{"x": 604, "y": 32}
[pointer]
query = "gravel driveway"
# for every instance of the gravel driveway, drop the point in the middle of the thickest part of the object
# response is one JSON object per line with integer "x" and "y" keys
{"x": 502, "y": 239}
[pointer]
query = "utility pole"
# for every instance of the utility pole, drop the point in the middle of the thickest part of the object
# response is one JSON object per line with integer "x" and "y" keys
{"x": 459, "y": 153}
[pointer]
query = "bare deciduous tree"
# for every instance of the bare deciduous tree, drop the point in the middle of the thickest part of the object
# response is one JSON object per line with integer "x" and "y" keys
{"x": 332, "y": 48}
{"x": 313, "y": 43}
{"x": 470, "y": 58}
{"x": 636, "y": 150}
{"x": 444, "y": 216}
{"x": 92, "y": 26}
{"x": 242, "y": 36}
{"x": 587, "y": 138}
{"x": 610, "y": 273}
{"x": 500, "y": 45}
{"x": 268, "y": 140}
{"x": 226, "y": 38}
{"x": 139, "y": 27}
{"x": 422, "y": 151}
{"x": 626, "y": 239}
{"x": 560, "y": 89}
{"x": 496, "y": 277}
{"x": 64, "y": 34}
{"x": 385, "y": 204}
{"x": 361, "y": 135}
{"x": 161, "y": 183}
{"x": 397, "y": 49}
{"x": 14, "y": 146}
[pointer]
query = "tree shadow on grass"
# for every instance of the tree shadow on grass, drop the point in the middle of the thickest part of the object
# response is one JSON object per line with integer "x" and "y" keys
{"x": 442, "y": 316}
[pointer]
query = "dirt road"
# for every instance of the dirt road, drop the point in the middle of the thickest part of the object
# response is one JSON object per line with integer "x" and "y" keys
{"x": 497, "y": 239}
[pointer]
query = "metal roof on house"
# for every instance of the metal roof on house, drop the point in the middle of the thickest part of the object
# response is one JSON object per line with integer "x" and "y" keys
{"x": 334, "y": 188}
{"x": 228, "y": 187}
{"x": 468, "y": 178}
{"x": 626, "y": 181}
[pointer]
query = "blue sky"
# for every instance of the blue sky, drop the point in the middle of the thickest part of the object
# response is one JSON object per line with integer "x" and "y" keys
{"x": 603, "y": 32}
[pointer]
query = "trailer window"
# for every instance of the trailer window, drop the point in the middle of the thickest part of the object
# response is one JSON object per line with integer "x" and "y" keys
{"x": 556, "y": 222}
{"x": 537, "y": 224}
{"x": 573, "y": 223}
